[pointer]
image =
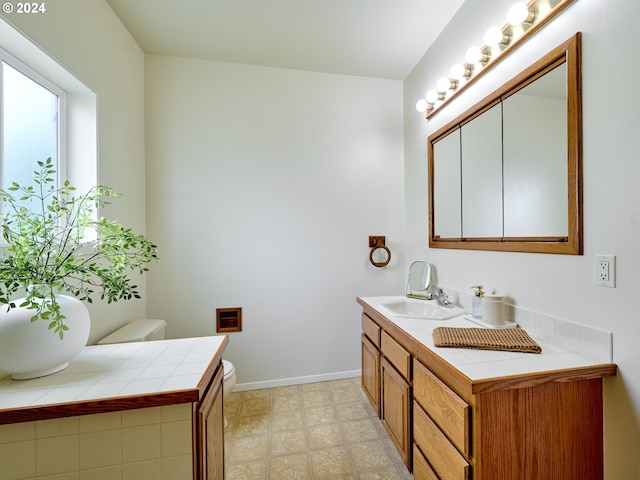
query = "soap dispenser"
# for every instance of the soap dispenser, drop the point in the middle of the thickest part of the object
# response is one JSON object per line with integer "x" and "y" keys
{"x": 476, "y": 304}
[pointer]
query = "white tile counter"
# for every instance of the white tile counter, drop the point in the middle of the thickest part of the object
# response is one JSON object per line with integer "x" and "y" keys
{"x": 479, "y": 365}
{"x": 105, "y": 378}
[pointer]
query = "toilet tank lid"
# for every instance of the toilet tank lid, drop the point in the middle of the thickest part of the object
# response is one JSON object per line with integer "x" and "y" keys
{"x": 135, "y": 331}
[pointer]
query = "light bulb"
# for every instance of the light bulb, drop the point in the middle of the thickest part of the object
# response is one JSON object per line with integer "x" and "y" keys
{"x": 519, "y": 13}
{"x": 473, "y": 55}
{"x": 421, "y": 105}
{"x": 459, "y": 71}
{"x": 494, "y": 36}
{"x": 432, "y": 96}
{"x": 443, "y": 85}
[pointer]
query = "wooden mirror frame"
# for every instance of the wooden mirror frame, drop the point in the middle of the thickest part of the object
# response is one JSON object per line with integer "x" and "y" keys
{"x": 569, "y": 52}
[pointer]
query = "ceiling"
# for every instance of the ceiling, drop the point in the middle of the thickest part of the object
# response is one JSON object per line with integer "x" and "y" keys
{"x": 372, "y": 38}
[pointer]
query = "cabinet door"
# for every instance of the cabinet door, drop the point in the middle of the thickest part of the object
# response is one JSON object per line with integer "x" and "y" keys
{"x": 395, "y": 409}
{"x": 210, "y": 449}
{"x": 371, "y": 373}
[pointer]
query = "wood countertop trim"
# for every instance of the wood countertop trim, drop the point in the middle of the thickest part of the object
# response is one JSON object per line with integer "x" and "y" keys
{"x": 211, "y": 370}
{"x": 533, "y": 379}
{"x": 45, "y": 412}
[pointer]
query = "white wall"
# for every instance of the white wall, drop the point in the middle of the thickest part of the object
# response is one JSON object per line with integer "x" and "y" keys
{"x": 87, "y": 38}
{"x": 562, "y": 286}
{"x": 263, "y": 186}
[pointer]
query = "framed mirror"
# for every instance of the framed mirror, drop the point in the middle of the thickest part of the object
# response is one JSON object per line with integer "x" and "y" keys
{"x": 506, "y": 174}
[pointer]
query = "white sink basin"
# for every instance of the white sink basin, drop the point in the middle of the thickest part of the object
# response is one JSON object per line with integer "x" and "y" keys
{"x": 426, "y": 309}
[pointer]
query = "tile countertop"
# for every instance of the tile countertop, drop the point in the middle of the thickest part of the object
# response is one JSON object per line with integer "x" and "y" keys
{"x": 115, "y": 377}
{"x": 485, "y": 364}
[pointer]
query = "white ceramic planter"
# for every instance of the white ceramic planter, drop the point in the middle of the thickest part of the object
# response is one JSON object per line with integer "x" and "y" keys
{"x": 30, "y": 350}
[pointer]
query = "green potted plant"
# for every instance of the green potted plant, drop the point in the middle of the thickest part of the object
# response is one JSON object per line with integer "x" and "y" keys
{"x": 56, "y": 244}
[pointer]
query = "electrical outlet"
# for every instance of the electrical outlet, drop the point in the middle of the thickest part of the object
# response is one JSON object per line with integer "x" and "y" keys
{"x": 605, "y": 271}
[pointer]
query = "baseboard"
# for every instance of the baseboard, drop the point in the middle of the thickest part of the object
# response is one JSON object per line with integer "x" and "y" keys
{"x": 284, "y": 382}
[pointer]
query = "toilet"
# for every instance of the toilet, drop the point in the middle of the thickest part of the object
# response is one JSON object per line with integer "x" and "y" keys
{"x": 228, "y": 382}
{"x": 149, "y": 329}
{"x": 140, "y": 330}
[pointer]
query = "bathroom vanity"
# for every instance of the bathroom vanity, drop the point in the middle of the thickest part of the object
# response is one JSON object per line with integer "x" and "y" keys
{"x": 462, "y": 414}
{"x": 148, "y": 410}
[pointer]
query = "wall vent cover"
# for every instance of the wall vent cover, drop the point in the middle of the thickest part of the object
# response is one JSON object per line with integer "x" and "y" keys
{"x": 228, "y": 320}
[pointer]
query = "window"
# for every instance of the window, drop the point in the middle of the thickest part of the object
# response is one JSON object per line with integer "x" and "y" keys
{"x": 32, "y": 118}
{"x": 62, "y": 125}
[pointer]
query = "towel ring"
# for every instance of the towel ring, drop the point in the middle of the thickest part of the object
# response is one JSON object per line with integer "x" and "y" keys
{"x": 383, "y": 263}
{"x": 375, "y": 243}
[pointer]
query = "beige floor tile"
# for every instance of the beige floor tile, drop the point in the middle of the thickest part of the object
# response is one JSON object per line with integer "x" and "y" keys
{"x": 288, "y": 442}
{"x": 255, "y": 406}
{"x": 319, "y": 416}
{"x": 290, "y": 467}
{"x": 232, "y": 403}
{"x": 285, "y": 403}
{"x": 247, "y": 471}
{"x": 323, "y": 436}
{"x": 316, "y": 431}
{"x": 370, "y": 455}
{"x": 360, "y": 430}
{"x": 289, "y": 390}
{"x": 330, "y": 462}
{"x": 353, "y": 411}
{"x": 316, "y": 398}
{"x": 257, "y": 394}
{"x": 287, "y": 420}
{"x": 245, "y": 449}
{"x": 345, "y": 393}
{"x": 313, "y": 387}
{"x": 253, "y": 425}
{"x": 388, "y": 473}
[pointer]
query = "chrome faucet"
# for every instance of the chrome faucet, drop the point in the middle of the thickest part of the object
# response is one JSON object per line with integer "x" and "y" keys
{"x": 437, "y": 294}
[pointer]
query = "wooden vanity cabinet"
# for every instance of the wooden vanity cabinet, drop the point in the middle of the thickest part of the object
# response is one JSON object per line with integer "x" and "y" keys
{"x": 539, "y": 425}
{"x": 209, "y": 427}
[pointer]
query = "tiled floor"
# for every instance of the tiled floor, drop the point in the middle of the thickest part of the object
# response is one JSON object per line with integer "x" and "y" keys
{"x": 325, "y": 430}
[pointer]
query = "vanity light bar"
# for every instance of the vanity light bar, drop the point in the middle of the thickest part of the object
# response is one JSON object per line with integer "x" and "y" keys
{"x": 523, "y": 20}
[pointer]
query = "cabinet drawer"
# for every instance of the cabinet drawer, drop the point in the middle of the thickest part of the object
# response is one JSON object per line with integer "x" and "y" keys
{"x": 396, "y": 354}
{"x": 443, "y": 405}
{"x": 371, "y": 330}
{"x": 442, "y": 455}
{"x": 421, "y": 469}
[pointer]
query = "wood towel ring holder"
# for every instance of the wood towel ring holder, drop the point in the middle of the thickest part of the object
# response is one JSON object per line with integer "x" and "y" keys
{"x": 375, "y": 243}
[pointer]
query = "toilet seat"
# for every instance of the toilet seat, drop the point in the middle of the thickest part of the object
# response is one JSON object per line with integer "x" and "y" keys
{"x": 228, "y": 369}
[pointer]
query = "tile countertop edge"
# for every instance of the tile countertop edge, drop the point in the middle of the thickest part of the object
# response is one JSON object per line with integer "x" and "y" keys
{"x": 116, "y": 403}
{"x": 428, "y": 354}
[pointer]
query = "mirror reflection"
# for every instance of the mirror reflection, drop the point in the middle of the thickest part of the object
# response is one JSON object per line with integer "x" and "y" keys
{"x": 481, "y": 159}
{"x": 447, "y": 187}
{"x": 535, "y": 151}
